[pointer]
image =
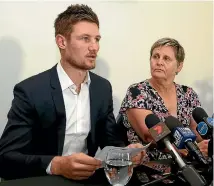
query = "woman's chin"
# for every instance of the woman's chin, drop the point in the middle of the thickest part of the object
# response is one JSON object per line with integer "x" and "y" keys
{"x": 158, "y": 76}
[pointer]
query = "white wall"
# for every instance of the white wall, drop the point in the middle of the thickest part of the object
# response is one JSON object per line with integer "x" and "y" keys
{"x": 128, "y": 30}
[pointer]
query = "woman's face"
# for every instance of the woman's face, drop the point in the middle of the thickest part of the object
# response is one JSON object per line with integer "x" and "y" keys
{"x": 163, "y": 63}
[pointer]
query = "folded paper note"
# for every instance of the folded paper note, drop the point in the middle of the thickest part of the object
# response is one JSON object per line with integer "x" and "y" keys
{"x": 132, "y": 151}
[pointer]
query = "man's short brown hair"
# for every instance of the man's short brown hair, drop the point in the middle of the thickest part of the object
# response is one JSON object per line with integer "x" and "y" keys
{"x": 74, "y": 14}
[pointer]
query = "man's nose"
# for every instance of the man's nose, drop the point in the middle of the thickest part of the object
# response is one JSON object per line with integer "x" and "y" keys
{"x": 94, "y": 46}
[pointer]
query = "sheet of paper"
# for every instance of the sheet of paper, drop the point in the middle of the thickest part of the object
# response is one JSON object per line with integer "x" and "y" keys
{"x": 132, "y": 151}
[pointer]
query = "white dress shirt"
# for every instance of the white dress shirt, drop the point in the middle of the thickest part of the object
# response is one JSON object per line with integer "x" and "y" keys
{"x": 77, "y": 109}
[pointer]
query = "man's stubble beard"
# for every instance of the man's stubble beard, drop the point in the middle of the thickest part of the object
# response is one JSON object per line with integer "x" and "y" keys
{"x": 81, "y": 66}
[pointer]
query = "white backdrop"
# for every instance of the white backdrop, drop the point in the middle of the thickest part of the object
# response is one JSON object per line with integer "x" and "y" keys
{"x": 128, "y": 30}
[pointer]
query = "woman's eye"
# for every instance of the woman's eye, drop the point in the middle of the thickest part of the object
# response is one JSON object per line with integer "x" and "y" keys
{"x": 166, "y": 58}
{"x": 155, "y": 56}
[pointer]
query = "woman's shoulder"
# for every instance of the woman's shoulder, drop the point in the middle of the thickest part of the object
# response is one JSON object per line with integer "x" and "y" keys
{"x": 140, "y": 85}
{"x": 185, "y": 89}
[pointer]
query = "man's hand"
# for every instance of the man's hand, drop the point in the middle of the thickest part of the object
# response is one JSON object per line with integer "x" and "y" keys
{"x": 203, "y": 146}
{"x": 136, "y": 160}
{"x": 77, "y": 166}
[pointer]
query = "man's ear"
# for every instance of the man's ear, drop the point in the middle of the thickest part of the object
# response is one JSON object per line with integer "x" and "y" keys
{"x": 61, "y": 41}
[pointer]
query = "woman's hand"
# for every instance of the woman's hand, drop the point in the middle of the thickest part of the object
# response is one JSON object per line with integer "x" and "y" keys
{"x": 183, "y": 152}
{"x": 203, "y": 146}
{"x": 136, "y": 160}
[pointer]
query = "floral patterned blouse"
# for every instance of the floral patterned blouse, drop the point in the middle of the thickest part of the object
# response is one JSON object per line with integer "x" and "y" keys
{"x": 143, "y": 95}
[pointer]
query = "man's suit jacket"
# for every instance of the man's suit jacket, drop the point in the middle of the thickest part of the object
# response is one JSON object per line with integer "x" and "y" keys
{"x": 35, "y": 130}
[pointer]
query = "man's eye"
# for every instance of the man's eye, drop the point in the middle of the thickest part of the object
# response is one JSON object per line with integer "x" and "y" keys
{"x": 97, "y": 39}
{"x": 85, "y": 38}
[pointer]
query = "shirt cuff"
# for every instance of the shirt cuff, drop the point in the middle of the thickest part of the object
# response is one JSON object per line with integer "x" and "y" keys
{"x": 48, "y": 170}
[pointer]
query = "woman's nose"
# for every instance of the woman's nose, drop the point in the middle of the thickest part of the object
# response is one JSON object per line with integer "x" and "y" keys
{"x": 160, "y": 61}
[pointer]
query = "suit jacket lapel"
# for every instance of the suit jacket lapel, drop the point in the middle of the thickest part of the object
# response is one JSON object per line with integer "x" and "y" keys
{"x": 61, "y": 115}
{"x": 60, "y": 108}
{"x": 94, "y": 107}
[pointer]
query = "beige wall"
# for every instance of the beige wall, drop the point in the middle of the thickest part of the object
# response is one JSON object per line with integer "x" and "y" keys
{"x": 128, "y": 30}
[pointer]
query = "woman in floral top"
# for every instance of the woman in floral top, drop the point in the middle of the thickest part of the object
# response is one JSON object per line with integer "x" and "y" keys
{"x": 160, "y": 95}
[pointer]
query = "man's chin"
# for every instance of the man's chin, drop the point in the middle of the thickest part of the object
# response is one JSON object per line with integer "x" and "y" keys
{"x": 91, "y": 66}
{"x": 88, "y": 67}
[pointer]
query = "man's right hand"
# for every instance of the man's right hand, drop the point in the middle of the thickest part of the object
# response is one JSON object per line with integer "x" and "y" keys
{"x": 78, "y": 166}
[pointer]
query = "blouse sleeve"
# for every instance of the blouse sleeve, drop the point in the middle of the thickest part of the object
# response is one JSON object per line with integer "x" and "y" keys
{"x": 136, "y": 97}
{"x": 193, "y": 100}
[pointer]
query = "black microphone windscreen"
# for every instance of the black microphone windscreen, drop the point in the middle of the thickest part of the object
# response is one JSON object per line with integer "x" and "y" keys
{"x": 151, "y": 120}
{"x": 199, "y": 114}
{"x": 172, "y": 122}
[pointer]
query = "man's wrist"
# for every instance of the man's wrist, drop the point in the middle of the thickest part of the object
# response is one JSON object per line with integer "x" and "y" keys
{"x": 56, "y": 165}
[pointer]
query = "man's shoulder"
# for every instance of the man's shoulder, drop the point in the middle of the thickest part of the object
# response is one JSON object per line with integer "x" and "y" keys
{"x": 36, "y": 81}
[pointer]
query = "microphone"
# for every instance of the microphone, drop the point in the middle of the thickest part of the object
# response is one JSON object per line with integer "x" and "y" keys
{"x": 157, "y": 129}
{"x": 185, "y": 138}
{"x": 205, "y": 123}
{"x": 204, "y": 127}
{"x": 210, "y": 148}
{"x": 161, "y": 134}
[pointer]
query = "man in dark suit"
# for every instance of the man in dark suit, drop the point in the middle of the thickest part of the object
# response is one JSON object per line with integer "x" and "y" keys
{"x": 60, "y": 117}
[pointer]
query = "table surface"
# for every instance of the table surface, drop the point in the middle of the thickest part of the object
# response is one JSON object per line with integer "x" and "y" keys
{"x": 60, "y": 181}
{"x": 98, "y": 179}
{"x": 45, "y": 181}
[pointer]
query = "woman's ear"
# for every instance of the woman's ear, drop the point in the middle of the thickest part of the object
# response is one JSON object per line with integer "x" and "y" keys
{"x": 180, "y": 66}
{"x": 60, "y": 41}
